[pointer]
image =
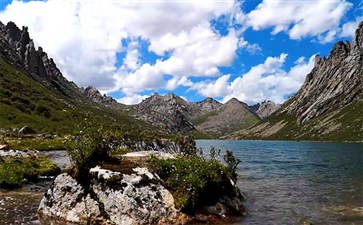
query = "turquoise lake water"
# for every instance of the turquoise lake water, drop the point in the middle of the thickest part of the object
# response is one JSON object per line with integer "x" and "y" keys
{"x": 292, "y": 182}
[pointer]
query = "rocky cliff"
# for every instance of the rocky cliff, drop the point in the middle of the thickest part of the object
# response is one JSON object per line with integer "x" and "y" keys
{"x": 94, "y": 95}
{"x": 265, "y": 108}
{"x": 34, "y": 92}
{"x": 170, "y": 112}
{"x": 17, "y": 47}
{"x": 328, "y": 106}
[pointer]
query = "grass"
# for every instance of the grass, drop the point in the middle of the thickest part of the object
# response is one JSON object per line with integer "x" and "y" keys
{"x": 14, "y": 171}
{"x": 202, "y": 118}
{"x": 26, "y": 101}
{"x": 349, "y": 122}
{"x": 37, "y": 144}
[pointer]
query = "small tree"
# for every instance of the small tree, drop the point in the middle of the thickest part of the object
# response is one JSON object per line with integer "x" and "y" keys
{"x": 232, "y": 163}
{"x": 90, "y": 147}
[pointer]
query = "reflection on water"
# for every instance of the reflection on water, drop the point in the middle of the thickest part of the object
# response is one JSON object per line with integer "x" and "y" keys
{"x": 293, "y": 182}
{"x": 284, "y": 182}
{"x": 19, "y": 208}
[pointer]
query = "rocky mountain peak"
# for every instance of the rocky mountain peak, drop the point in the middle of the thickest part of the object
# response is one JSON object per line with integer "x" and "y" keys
{"x": 93, "y": 94}
{"x": 17, "y": 47}
{"x": 265, "y": 108}
{"x": 333, "y": 82}
{"x": 209, "y": 104}
{"x": 358, "y": 40}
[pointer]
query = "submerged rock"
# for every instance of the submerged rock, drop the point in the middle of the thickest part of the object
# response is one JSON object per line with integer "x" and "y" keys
{"x": 113, "y": 197}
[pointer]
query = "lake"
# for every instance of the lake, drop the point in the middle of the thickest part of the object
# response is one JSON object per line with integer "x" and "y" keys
{"x": 284, "y": 183}
{"x": 292, "y": 182}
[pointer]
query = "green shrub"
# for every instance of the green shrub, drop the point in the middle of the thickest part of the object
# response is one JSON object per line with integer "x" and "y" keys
{"x": 191, "y": 179}
{"x": 232, "y": 163}
{"x": 89, "y": 148}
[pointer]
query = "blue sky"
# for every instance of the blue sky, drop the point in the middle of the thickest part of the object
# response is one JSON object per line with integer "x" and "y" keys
{"x": 251, "y": 50}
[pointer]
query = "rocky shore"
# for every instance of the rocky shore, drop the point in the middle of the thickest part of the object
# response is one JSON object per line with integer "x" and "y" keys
{"x": 134, "y": 195}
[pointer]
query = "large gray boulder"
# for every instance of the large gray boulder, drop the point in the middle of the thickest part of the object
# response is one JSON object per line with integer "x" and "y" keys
{"x": 114, "y": 198}
{"x": 136, "y": 197}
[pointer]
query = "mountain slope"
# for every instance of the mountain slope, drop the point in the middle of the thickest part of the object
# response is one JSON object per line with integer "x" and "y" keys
{"x": 229, "y": 117}
{"x": 34, "y": 92}
{"x": 265, "y": 108}
{"x": 329, "y": 105}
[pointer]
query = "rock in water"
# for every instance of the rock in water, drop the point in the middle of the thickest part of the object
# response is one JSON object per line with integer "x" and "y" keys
{"x": 138, "y": 197}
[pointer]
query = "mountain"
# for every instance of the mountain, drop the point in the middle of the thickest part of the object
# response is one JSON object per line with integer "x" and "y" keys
{"x": 227, "y": 118}
{"x": 94, "y": 95}
{"x": 209, "y": 116}
{"x": 34, "y": 92}
{"x": 265, "y": 108}
{"x": 169, "y": 112}
{"x": 328, "y": 106}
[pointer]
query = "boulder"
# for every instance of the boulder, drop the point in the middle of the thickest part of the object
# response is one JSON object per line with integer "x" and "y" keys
{"x": 136, "y": 197}
{"x": 112, "y": 197}
{"x": 26, "y": 130}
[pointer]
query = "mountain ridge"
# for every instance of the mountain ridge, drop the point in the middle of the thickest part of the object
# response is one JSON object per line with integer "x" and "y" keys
{"x": 328, "y": 105}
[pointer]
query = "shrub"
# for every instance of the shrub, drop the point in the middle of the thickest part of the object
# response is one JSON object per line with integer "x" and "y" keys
{"x": 232, "y": 162}
{"x": 191, "y": 179}
{"x": 89, "y": 148}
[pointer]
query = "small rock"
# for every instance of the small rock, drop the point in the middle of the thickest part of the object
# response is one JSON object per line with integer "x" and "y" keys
{"x": 26, "y": 130}
{"x": 4, "y": 146}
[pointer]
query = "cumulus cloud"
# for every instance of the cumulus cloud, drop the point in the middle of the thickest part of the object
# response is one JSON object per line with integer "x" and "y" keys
{"x": 266, "y": 81}
{"x": 132, "y": 99}
{"x": 85, "y": 36}
{"x": 298, "y": 18}
{"x": 348, "y": 29}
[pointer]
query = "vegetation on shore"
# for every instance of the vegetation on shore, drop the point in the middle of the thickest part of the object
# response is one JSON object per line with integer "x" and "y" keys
{"x": 191, "y": 177}
{"x": 15, "y": 171}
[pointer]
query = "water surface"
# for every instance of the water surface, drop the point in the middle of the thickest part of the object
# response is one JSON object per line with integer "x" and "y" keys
{"x": 284, "y": 183}
{"x": 293, "y": 182}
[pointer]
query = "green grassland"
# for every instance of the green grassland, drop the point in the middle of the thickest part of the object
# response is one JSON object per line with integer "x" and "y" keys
{"x": 339, "y": 125}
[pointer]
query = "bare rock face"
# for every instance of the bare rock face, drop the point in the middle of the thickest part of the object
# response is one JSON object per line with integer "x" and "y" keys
{"x": 328, "y": 106}
{"x": 17, "y": 47}
{"x": 115, "y": 198}
{"x": 94, "y": 95}
{"x": 265, "y": 108}
{"x": 333, "y": 83}
{"x": 169, "y": 112}
{"x": 208, "y": 104}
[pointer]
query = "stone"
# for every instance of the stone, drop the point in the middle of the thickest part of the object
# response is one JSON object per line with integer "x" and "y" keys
{"x": 26, "y": 130}
{"x": 4, "y": 146}
{"x": 138, "y": 197}
{"x": 148, "y": 154}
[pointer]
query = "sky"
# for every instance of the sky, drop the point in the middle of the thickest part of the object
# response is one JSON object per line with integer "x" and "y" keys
{"x": 252, "y": 50}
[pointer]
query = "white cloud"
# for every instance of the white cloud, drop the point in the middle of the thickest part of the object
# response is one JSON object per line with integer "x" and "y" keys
{"x": 266, "y": 81}
{"x": 132, "y": 99}
{"x": 348, "y": 29}
{"x": 84, "y": 36}
{"x": 298, "y": 18}
{"x": 213, "y": 89}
